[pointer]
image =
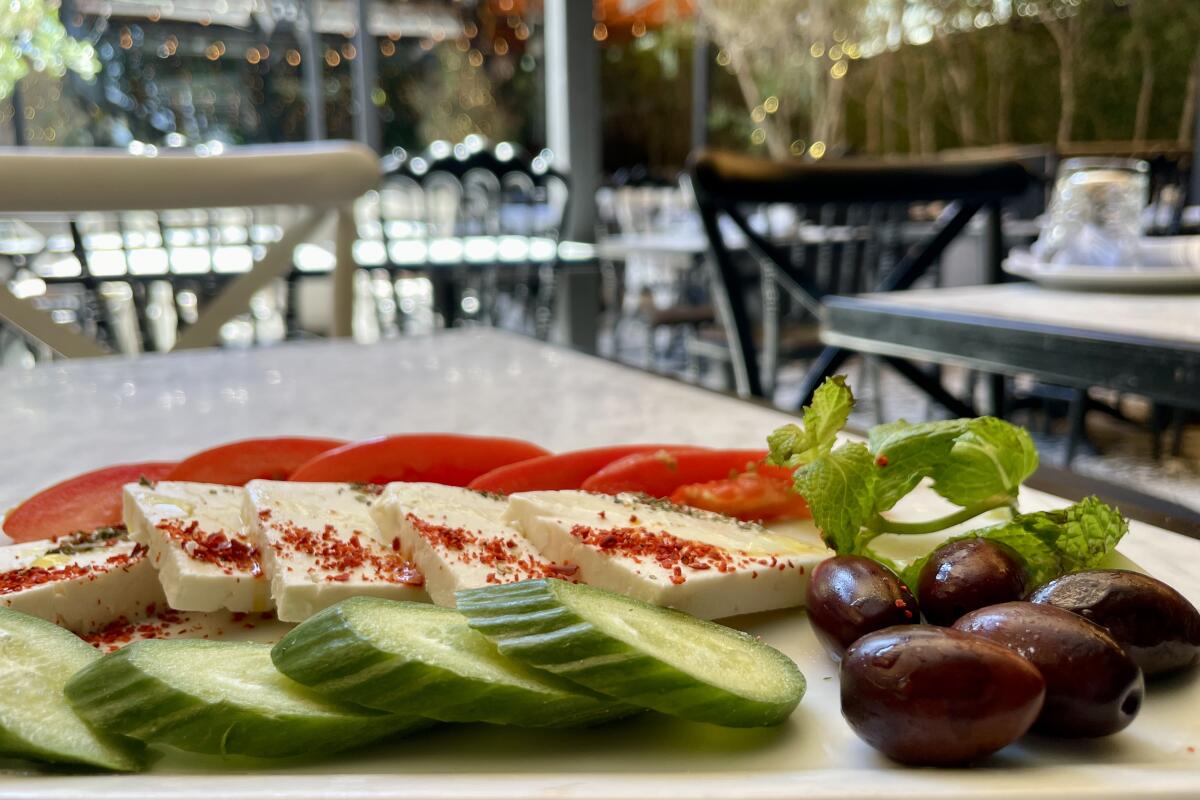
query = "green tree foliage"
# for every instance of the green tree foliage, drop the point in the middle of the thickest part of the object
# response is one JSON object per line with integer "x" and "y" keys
{"x": 923, "y": 75}
{"x": 33, "y": 38}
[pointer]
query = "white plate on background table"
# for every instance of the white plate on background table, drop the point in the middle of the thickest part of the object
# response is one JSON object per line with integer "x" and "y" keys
{"x": 1104, "y": 279}
{"x": 73, "y": 416}
{"x": 814, "y": 755}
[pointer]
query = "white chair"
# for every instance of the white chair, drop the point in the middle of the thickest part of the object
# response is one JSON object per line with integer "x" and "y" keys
{"x": 324, "y": 179}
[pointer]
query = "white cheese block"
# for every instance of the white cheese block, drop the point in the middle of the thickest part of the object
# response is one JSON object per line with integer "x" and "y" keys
{"x": 458, "y": 538}
{"x": 705, "y": 564}
{"x": 320, "y": 546}
{"x": 198, "y": 544}
{"x": 81, "y": 581}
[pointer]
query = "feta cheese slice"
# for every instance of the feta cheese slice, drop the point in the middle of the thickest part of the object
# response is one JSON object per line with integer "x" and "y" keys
{"x": 198, "y": 544}
{"x": 705, "y": 564}
{"x": 458, "y": 538}
{"x": 82, "y": 581}
{"x": 320, "y": 546}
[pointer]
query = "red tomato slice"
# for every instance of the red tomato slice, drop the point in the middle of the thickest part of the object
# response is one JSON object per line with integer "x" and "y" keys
{"x": 759, "y": 495}
{"x": 561, "y": 470}
{"x": 445, "y": 458}
{"x": 236, "y": 463}
{"x": 660, "y": 473}
{"x": 83, "y": 503}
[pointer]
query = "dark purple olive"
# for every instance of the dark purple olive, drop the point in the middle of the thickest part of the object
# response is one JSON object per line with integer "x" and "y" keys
{"x": 850, "y": 596}
{"x": 1155, "y": 624}
{"x": 1093, "y": 688}
{"x": 931, "y": 696}
{"x": 969, "y": 574}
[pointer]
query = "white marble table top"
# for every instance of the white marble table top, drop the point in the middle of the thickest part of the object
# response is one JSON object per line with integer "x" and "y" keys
{"x": 1170, "y": 318}
{"x": 61, "y": 419}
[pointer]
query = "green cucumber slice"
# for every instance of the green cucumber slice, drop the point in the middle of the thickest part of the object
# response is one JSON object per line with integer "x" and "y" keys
{"x": 36, "y": 721}
{"x": 416, "y": 658}
{"x": 636, "y": 652}
{"x": 220, "y": 698}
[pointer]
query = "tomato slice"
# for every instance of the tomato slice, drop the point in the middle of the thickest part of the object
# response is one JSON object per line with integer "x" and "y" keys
{"x": 660, "y": 473}
{"x": 83, "y": 503}
{"x": 450, "y": 459}
{"x": 561, "y": 470}
{"x": 236, "y": 463}
{"x": 762, "y": 494}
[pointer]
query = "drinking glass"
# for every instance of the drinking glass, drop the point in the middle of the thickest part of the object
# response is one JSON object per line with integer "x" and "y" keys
{"x": 1095, "y": 212}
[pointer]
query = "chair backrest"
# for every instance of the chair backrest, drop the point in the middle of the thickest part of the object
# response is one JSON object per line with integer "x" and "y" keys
{"x": 835, "y": 226}
{"x": 227, "y": 219}
{"x": 848, "y": 221}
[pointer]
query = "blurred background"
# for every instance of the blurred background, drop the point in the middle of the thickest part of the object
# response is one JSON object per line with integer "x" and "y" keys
{"x": 541, "y": 168}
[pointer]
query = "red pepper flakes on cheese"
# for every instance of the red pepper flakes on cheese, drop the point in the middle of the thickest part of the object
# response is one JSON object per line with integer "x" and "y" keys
{"x": 669, "y": 551}
{"x": 16, "y": 580}
{"x": 230, "y": 553}
{"x": 499, "y": 552}
{"x": 340, "y": 558}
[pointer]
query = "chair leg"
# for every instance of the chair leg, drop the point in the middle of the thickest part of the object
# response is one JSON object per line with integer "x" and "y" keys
{"x": 875, "y": 376}
{"x": 931, "y": 386}
{"x": 826, "y": 364}
{"x": 769, "y": 363}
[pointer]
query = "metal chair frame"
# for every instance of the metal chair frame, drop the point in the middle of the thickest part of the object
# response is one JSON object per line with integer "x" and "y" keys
{"x": 716, "y": 197}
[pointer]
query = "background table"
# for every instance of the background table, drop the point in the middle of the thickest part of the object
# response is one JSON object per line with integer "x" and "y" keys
{"x": 1145, "y": 344}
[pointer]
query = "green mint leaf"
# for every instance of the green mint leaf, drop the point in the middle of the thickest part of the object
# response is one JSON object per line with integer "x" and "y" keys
{"x": 839, "y": 487}
{"x": 794, "y": 446}
{"x": 912, "y": 573}
{"x": 1029, "y": 539}
{"x": 1052, "y": 543}
{"x": 1090, "y": 531}
{"x": 989, "y": 459}
{"x": 906, "y": 453}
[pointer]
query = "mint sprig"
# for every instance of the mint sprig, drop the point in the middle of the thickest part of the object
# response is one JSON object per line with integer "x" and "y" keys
{"x": 976, "y": 464}
{"x": 793, "y": 445}
{"x": 842, "y": 479}
{"x": 1052, "y": 543}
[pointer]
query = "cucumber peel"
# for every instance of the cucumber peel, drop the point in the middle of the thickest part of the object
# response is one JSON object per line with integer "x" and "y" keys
{"x": 415, "y": 658}
{"x": 219, "y": 698}
{"x": 36, "y": 721}
{"x": 637, "y": 652}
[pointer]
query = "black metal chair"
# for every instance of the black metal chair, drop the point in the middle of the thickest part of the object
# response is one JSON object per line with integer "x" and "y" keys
{"x": 458, "y": 195}
{"x": 864, "y": 196}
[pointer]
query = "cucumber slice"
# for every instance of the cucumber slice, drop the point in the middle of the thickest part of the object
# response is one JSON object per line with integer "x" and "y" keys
{"x": 639, "y": 653}
{"x": 36, "y": 721}
{"x": 220, "y": 698}
{"x": 415, "y": 658}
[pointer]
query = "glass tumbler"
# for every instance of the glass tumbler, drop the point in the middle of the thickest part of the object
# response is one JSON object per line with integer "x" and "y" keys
{"x": 1095, "y": 213}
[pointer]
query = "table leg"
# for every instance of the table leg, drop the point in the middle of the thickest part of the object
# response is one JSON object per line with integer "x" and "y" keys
{"x": 997, "y": 391}
{"x": 1076, "y": 419}
{"x": 445, "y": 295}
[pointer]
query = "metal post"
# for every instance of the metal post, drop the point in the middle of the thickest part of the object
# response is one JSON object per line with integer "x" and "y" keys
{"x": 366, "y": 120}
{"x": 573, "y": 109}
{"x": 313, "y": 73}
{"x": 701, "y": 66}
{"x": 343, "y": 274}
{"x": 1194, "y": 191}
{"x": 18, "y": 104}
